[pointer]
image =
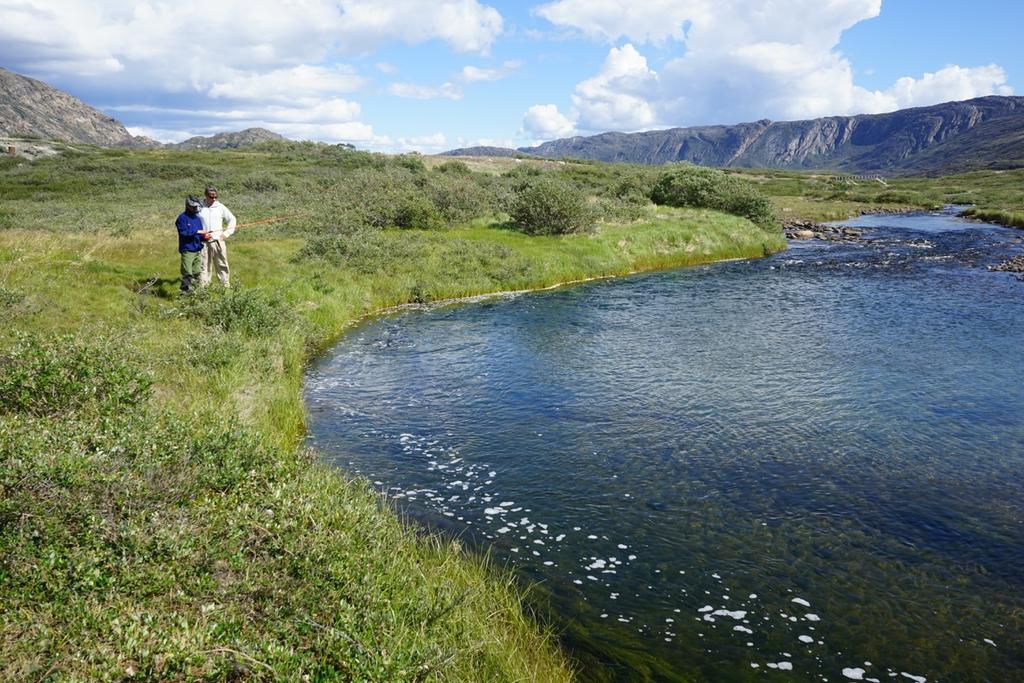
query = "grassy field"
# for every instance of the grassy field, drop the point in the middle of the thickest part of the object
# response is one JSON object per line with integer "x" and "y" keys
{"x": 159, "y": 518}
{"x": 996, "y": 195}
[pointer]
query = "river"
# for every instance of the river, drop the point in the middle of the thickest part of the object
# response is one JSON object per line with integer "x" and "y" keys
{"x": 805, "y": 467}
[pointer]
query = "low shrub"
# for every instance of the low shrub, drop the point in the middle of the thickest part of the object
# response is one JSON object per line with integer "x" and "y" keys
{"x": 378, "y": 198}
{"x": 459, "y": 197}
{"x": 546, "y": 206}
{"x": 712, "y": 189}
{"x": 56, "y": 375}
{"x": 252, "y": 312}
{"x": 364, "y": 251}
{"x": 261, "y": 182}
{"x": 454, "y": 168}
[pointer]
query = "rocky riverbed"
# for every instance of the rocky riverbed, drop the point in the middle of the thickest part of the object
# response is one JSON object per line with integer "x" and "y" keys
{"x": 1013, "y": 265}
{"x": 801, "y": 229}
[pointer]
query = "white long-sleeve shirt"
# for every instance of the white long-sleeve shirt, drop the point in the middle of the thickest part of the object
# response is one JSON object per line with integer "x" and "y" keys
{"x": 213, "y": 218}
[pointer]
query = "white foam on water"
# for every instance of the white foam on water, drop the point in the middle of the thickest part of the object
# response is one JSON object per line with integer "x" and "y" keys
{"x": 752, "y": 596}
{"x": 559, "y": 537}
{"x": 743, "y": 629}
{"x": 622, "y": 546}
{"x": 812, "y": 617}
{"x": 504, "y": 530}
{"x": 591, "y": 537}
{"x": 801, "y": 601}
{"x": 705, "y": 608}
{"x": 754, "y": 665}
{"x": 493, "y": 511}
{"x": 578, "y": 582}
{"x": 854, "y": 673}
{"x": 805, "y": 639}
{"x": 737, "y": 614}
{"x": 990, "y": 642}
{"x": 785, "y": 666}
{"x": 916, "y": 679}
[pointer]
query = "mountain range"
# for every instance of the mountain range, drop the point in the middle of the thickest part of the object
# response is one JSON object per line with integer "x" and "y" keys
{"x": 31, "y": 108}
{"x": 981, "y": 133}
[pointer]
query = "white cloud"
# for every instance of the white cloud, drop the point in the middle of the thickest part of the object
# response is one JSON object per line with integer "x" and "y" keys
{"x": 386, "y": 68}
{"x": 426, "y": 92}
{"x": 950, "y": 83}
{"x": 473, "y": 74}
{"x": 193, "y": 38}
{"x": 740, "y": 60}
{"x": 617, "y": 97}
{"x": 545, "y": 122}
{"x": 466, "y": 25}
{"x": 303, "y": 83}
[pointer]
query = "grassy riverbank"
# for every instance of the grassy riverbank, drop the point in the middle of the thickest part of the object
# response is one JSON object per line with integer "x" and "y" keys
{"x": 159, "y": 517}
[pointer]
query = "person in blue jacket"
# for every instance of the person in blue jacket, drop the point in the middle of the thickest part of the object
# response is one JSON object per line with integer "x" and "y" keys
{"x": 191, "y": 237}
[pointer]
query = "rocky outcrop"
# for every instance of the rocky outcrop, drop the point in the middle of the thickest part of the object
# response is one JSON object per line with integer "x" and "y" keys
{"x": 243, "y": 138}
{"x": 800, "y": 229}
{"x": 1013, "y": 265}
{"x": 986, "y": 132}
{"x": 32, "y": 108}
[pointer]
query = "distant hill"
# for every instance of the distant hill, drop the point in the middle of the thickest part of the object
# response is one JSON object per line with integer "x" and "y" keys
{"x": 483, "y": 151}
{"x": 986, "y": 132}
{"x": 243, "y": 138}
{"x": 32, "y": 108}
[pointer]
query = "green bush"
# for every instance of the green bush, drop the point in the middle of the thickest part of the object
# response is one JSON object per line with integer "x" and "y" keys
{"x": 454, "y": 168}
{"x": 378, "y": 198}
{"x": 712, "y": 189}
{"x": 260, "y": 182}
{"x": 459, "y": 198}
{"x": 57, "y": 375}
{"x": 364, "y": 251}
{"x": 546, "y": 206}
{"x": 253, "y": 312}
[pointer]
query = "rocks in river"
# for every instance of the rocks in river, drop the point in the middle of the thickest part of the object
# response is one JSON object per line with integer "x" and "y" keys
{"x": 801, "y": 229}
{"x": 1014, "y": 265}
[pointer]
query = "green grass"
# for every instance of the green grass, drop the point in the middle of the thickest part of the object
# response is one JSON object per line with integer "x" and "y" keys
{"x": 186, "y": 534}
{"x": 1013, "y": 219}
{"x": 824, "y": 196}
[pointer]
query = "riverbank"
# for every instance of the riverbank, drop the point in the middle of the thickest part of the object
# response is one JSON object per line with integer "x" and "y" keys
{"x": 186, "y": 533}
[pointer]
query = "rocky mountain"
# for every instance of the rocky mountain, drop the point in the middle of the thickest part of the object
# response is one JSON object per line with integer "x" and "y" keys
{"x": 32, "y": 108}
{"x": 986, "y": 132}
{"x": 243, "y": 138}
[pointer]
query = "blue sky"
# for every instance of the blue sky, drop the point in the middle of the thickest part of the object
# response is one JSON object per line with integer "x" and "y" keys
{"x": 435, "y": 74}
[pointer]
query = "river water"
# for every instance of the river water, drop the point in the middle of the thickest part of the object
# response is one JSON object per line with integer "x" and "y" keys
{"x": 806, "y": 467}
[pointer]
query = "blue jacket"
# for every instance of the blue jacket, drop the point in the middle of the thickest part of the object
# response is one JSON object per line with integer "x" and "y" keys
{"x": 187, "y": 227}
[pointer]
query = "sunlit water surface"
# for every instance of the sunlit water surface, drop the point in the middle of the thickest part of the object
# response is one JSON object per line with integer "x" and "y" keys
{"x": 806, "y": 467}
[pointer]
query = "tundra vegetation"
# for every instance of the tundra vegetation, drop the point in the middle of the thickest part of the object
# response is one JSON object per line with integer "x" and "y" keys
{"x": 159, "y": 517}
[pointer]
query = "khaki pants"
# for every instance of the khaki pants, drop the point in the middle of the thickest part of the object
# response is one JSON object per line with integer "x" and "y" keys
{"x": 191, "y": 268}
{"x": 215, "y": 259}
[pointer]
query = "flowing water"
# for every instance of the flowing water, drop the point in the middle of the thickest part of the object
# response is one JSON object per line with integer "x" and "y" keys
{"x": 806, "y": 467}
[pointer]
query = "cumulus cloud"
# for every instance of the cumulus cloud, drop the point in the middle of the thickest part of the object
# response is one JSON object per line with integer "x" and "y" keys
{"x": 544, "y": 122}
{"x": 161, "y": 36}
{"x": 739, "y": 60}
{"x": 265, "y": 64}
{"x": 448, "y": 91}
{"x": 618, "y": 96}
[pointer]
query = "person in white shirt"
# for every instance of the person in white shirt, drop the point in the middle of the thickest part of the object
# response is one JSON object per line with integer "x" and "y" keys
{"x": 215, "y": 252}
